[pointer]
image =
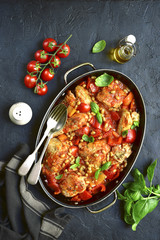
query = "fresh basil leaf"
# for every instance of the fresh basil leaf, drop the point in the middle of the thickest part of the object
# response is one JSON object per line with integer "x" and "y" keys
{"x": 91, "y": 139}
{"x": 85, "y": 137}
{"x": 104, "y": 80}
{"x": 134, "y": 226}
{"x": 132, "y": 195}
{"x": 59, "y": 177}
{"x": 97, "y": 173}
{"x": 99, "y": 46}
{"x": 128, "y": 206}
{"x": 142, "y": 207}
{"x": 124, "y": 133}
{"x": 105, "y": 166}
{"x": 156, "y": 189}
{"x": 99, "y": 117}
{"x": 136, "y": 123}
{"x": 74, "y": 166}
{"x": 150, "y": 171}
{"x": 120, "y": 196}
{"x": 94, "y": 107}
{"x": 128, "y": 219}
{"x": 77, "y": 160}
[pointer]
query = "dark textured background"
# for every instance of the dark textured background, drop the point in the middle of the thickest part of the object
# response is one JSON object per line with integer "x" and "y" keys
{"x": 24, "y": 25}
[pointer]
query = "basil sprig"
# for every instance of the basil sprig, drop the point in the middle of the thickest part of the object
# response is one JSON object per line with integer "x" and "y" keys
{"x": 77, "y": 164}
{"x": 104, "y": 167}
{"x": 87, "y": 138}
{"x": 95, "y": 109}
{"x": 104, "y": 80}
{"x": 99, "y": 46}
{"x": 135, "y": 124}
{"x": 137, "y": 198}
{"x": 59, "y": 177}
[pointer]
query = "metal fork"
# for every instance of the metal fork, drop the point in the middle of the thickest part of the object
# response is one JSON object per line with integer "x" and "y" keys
{"x": 35, "y": 172}
{"x": 54, "y": 117}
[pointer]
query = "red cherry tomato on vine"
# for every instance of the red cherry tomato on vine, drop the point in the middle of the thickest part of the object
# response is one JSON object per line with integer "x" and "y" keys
{"x": 131, "y": 136}
{"x": 49, "y": 44}
{"x": 47, "y": 74}
{"x": 55, "y": 62}
{"x": 30, "y": 81}
{"x": 33, "y": 66}
{"x": 41, "y": 90}
{"x": 64, "y": 51}
{"x": 41, "y": 56}
{"x": 84, "y": 107}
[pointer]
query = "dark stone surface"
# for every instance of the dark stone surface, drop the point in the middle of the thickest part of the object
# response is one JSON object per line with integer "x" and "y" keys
{"x": 24, "y": 25}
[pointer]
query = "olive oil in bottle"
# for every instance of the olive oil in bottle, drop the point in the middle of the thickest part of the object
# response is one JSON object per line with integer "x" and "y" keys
{"x": 125, "y": 50}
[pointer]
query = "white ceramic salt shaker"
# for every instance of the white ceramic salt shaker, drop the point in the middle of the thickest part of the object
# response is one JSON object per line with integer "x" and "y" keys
{"x": 20, "y": 113}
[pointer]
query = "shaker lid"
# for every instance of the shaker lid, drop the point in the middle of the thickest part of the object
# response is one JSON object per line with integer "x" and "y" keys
{"x": 20, "y": 113}
{"x": 131, "y": 39}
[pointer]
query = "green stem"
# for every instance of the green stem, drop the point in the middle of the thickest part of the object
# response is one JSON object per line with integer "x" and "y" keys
{"x": 45, "y": 64}
{"x": 158, "y": 195}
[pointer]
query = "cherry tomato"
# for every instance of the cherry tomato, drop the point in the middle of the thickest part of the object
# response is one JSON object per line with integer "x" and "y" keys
{"x": 97, "y": 133}
{"x": 112, "y": 173}
{"x": 41, "y": 56}
{"x": 47, "y": 74}
{"x": 30, "y": 81}
{"x": 41, "y": 90}
{"x": 64, "y": 51}
{"x": 33, "y": 66}
{"x": 115, "y": 115}
{"x": 49, "y": 44}
{"x": 131, "y": 136}
{"x": 94, "y": 122}
{"x": 82, "y": 131}
{"x": 91, "y": 85}
{"x": 113, "y": 141}
{"x": 53, "y": 184}
{"x": 133, "y": 105}
{"x": 85, "y": 195}
{"x": 55, "y": 62}
{"x": 84, "y": 107}
{"x": 74, "y": 150}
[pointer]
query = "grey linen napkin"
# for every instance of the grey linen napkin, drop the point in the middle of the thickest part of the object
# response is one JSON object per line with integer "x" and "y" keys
{"x": 25, "y": 211}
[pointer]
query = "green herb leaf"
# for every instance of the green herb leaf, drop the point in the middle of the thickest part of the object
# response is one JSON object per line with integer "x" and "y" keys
{"x": 97, "y": 173}
{"x": 99, "y": 46}
{"x": 104, "y": 80}
{"x": 135, "y": 124}
{"x": 120, "y": 196}
{"x": 99, "y": 117}
{"x": 73, "y": 166}
{"x": 105, "y": 166}
{"x": 150, "y": 171}
{"x": 77, "y": 160}
{"x": 87, "y": 138}
{"x": 142, "y": 207}
{"x": 94, "y": 107}
{"x": 124, "y": 133}
{"x": 59, "y": 177}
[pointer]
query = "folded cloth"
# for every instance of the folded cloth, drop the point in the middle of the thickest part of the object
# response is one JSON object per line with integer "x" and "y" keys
{"x": 25, "y": 211}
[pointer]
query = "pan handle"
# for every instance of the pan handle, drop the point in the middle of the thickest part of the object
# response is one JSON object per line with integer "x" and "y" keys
{"x": 74, "y": 68}
{"x": 106, "y": 207}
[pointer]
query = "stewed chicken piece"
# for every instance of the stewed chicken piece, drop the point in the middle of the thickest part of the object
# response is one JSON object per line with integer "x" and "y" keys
{"x": 125, "y": 121}
{"x": 72, "y": 184}
{"x": 112, "y": 96}
{"x": 70, "y": 99}
{"x": 75, "y": 122}
{"x": 83, "y": 95}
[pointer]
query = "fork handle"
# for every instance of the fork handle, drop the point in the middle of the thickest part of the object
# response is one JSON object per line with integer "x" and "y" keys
{"x": 27, "y": 164}
{"x": 35, "y": 172}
